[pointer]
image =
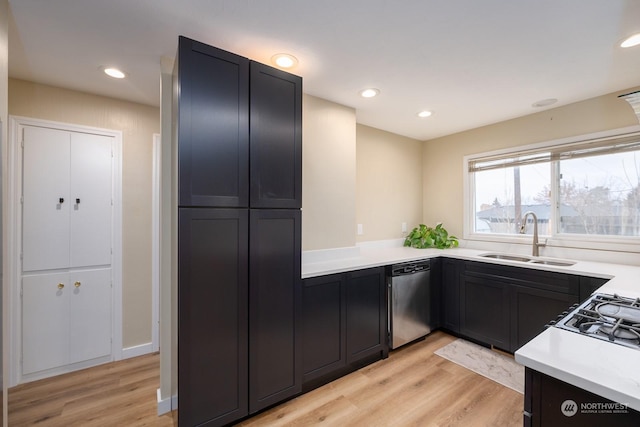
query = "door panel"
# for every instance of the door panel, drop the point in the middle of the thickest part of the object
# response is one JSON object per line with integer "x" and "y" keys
{"x": 45, "y": 219}
{"x": 90, "y": 314}
{"x": 45, "y": 322}
{"x": 274, "y": 302}
{"x": 212, "y": 315}
{"x": 90, "y": 203}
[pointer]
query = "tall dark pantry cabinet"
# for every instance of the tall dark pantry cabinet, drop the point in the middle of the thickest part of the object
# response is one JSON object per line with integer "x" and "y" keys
{"x": 239, "y": 132}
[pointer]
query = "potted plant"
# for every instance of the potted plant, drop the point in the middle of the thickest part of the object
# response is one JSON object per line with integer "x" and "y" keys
{"x": 423, "y": 237}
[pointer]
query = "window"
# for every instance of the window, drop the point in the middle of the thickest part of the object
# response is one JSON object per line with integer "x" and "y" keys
{"x": 589, "y": 189}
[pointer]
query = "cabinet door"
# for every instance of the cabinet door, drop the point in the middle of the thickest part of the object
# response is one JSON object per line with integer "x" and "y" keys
{"x": 213, "y": 126}
{"x": 274, "y": 301}
{"x": 366, "y": 314}
{"x": 46, "y": 207}
{"x": 89, "y": 314}
{"x": 450, "y": 291}
{"x": 275, "y": 138}
{"x": 90, "y": 200}
{"x": 485, "y": 310}
{"x": 45, "y": 321}
{"x": 532, "y": 309}
{"x": 323, "y": 325}
{"x": 212, "y": 315}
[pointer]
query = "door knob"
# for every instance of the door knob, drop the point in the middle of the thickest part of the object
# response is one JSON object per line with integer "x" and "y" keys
{"x": 77, "y": 284}
{"x": 60, "y": 285}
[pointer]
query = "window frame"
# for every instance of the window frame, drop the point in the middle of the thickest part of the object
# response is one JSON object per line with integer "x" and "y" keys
{"x": 556, "y": 239}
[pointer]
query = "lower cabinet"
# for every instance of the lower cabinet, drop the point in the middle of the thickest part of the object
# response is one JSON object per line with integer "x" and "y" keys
{"x": 344, "y": 318}
{"x": 532, "y": 310}
{"x": 503, "y": 306}
{"x": 69, "y": 315}
{"x": 485, "y": 310}
{"x": 238, "y": 310}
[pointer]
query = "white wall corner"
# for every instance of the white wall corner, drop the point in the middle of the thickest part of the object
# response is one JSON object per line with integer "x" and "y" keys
{"x": 138, "y": 350}
{"x": 166, "y": 405}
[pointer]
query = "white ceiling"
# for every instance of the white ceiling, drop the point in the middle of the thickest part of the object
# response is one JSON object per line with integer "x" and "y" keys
{"x": 471, "y": 62}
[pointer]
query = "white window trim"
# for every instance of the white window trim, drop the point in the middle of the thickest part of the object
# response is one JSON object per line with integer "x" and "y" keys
{"x": 604, "y": 243}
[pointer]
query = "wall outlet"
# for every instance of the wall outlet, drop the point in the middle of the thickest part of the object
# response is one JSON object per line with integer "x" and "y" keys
{"x": 360, "y": 232}
{"x": 404, "y": 227}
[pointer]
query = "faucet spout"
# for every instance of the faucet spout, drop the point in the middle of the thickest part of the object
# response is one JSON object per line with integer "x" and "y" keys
{"x": 535, "y": 244}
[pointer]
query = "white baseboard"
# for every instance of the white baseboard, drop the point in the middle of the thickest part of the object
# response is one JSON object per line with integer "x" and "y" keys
{"x": 137, "y": 350}
{"x": 166, "y": 405}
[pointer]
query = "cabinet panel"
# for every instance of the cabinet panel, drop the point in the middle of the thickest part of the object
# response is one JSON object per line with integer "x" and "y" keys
{"x": 485, "y": 310}
{"x": 90, "y": 200}
{"x": 213, "y": 126}
{"x": 532, "y": 310}
{"x": 366, "y": 314}
{"x": 212, "y": 315}
{"x": 45, "y": 216}
{"x": 274, "y": 300}
{"x": 275, "y": 138}
{"x": 450, "y": 291}
{"x": 45, "y": 322}
{"x": 90, "y": 315}
{"x": 323, "y": 325}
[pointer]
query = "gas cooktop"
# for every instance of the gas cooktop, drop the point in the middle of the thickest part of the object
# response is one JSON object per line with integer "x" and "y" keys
{"x": 607, "y": 317}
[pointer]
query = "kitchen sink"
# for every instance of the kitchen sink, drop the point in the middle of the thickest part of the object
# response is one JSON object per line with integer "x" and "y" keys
{"x": 507, "y": 257}
{"x": 552, "y": 262}
{"x": 528, "y": 259}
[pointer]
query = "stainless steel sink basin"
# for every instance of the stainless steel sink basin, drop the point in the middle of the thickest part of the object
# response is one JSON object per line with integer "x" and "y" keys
{"x": 507, "y": 257}
{"x": 528, "y": 259}
{"x": 552, "y": 262}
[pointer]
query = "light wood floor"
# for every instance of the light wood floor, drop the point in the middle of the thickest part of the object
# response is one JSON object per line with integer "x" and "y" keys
{"x": 413, "y": 387}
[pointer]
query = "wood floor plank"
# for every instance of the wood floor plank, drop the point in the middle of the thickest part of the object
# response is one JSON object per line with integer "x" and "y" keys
{"x": 413, "y": 387}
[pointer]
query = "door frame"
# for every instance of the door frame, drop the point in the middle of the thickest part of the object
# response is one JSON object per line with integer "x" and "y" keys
{"x": 13, "y": 266}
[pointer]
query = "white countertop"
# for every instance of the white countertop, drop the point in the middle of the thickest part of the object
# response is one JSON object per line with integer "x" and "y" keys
{"x": 609, "y": 370}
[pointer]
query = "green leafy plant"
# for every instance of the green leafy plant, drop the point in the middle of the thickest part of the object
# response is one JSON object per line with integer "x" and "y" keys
{"x": 423, "y": 237}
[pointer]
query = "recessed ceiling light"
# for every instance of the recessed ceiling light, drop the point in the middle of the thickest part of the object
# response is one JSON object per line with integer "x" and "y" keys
{"x": 369, "y": 93}
{"x": 114, "y": 72}
{"x": 544, "y": 102}
{"x": 425, "y": 113}
{"x": 634, "y": 40}
{"x": 284, "y": 60}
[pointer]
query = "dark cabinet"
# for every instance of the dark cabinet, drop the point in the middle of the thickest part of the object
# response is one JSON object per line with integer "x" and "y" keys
{"x": 450, "y": 294}
{"x": 485, "y": 310}
{"x": 275, "y": 144}
{"x": 274, "y": 306}
{"x": 238, "y": 128}
{"x": 212, "y": 112}
{"x": 588, "y": 285}
{"x": 239, "y": 131}
{"x": 504, "y": 306}
{"x": 532, "y": 310}
{"x": 366, "y": 313}
{"x": 344, "y": 318}
{"x": 550, "y": 402}
{"x": 213, "y": 308}
{"x": 324, "y": 338}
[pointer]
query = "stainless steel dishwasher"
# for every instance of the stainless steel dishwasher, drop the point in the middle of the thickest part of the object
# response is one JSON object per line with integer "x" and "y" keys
{"x": 409, "y": 302}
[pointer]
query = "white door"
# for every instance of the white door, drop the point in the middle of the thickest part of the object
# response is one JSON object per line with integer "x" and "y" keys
{"x": 45, "y": 322}
{"x": 45, "y": 192}
{"x": 67, "y": 309}
{"x": 90, "y": 314}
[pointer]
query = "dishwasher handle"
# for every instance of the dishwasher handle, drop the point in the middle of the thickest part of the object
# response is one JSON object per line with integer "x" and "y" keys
{"x": 410, "y": 268}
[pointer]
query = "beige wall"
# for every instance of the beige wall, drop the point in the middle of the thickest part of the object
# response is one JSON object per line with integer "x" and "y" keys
{"x": 4, "y": 65}
{"x": 443, "y": 157}
{"x": 388, "y": 183}
{"x": 328, "y": 174}
{"x": 137, "y": 123}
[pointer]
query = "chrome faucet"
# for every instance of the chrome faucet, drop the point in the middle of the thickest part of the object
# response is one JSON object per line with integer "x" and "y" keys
{"x": 536, "y": 245}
